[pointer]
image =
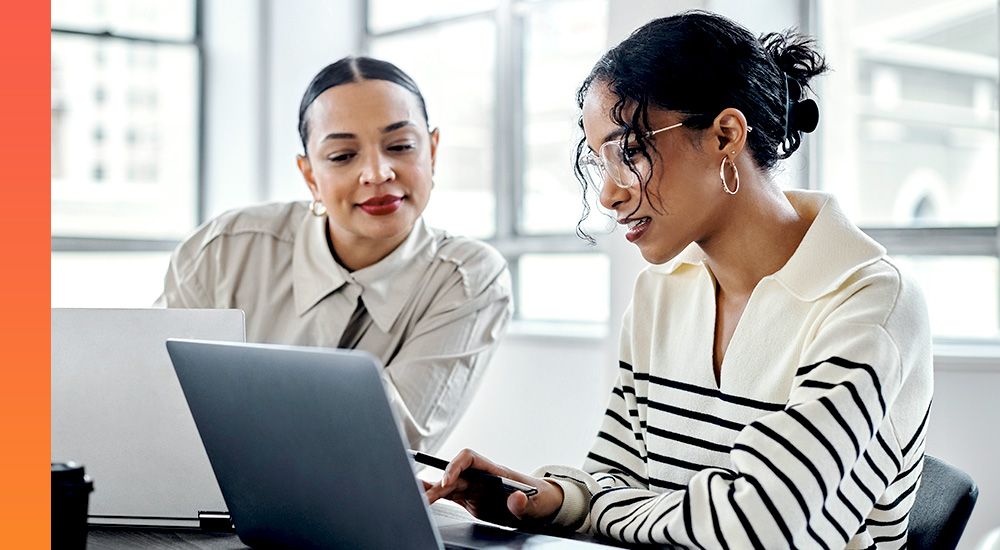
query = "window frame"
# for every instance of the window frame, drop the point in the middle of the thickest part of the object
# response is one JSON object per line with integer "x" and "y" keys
{"x": 507, "y": 182}
{"x": 926, "y": 241}
{"x": 98, "y": 243}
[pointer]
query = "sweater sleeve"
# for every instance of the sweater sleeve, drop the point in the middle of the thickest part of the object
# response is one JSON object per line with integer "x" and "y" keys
{"x": 806, "y": 475}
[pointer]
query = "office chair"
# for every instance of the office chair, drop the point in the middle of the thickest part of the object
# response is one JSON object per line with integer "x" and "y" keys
{"x": 942, "y": 507}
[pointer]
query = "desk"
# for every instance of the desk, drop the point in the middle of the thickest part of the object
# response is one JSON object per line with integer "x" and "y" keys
{"x": 159, "y": 538}
{"x": 121, "y": 538}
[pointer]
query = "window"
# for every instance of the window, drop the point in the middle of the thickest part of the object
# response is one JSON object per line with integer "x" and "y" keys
{"x": 500, "y": 79}
{"x": 459, "y": 87}
{"x": 919, "y": 83}
{"x": 126, "y": 80}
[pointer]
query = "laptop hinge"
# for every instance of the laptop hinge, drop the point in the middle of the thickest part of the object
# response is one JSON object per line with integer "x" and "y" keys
{"x": 215, "y": 521}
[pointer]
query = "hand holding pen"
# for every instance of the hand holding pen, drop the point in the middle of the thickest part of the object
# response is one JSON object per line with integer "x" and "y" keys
{"x": 463, "y": 482}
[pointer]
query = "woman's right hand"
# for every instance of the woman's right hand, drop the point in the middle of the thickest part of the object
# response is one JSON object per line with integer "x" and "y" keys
{"x": 489, "y": 504}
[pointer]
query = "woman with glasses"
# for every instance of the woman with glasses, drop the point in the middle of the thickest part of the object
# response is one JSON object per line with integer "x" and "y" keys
{"x": 357, "y": 267}
{"x": 775, "y": 366}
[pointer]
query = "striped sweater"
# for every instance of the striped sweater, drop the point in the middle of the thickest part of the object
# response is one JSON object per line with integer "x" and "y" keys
{"x": 814, "y": 436}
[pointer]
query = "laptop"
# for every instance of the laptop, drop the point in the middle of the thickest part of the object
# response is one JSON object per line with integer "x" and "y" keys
{"x": 118, "y": 410}
{"x": 308, "y": 453}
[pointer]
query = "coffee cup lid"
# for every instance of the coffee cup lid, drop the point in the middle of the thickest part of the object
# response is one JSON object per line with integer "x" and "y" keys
{"x": 68, "y": 472}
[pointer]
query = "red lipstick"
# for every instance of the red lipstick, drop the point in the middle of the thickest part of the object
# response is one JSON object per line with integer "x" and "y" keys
{"x": 636, "y": 227}
{"x": 383, "y": 205}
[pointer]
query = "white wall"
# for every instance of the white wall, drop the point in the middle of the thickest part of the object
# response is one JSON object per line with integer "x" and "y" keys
{"x": 540, "y": 402}
{"x": 965, "y": 431}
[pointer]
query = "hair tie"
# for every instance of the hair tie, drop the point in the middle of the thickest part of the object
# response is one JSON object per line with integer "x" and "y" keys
{"x": 805, "y": 115}
{"x": 800, "y": 115}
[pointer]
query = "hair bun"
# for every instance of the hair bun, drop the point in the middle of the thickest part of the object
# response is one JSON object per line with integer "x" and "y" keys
{"x": 804, "y": 115}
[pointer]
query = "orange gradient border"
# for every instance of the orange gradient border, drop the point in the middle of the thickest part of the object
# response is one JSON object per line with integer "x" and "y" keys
{"x": 24, "y": 226}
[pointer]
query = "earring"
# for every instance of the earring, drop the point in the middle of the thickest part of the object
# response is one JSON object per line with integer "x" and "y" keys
{"x": 722, "y": 176}
{"x": 317, "y": 209}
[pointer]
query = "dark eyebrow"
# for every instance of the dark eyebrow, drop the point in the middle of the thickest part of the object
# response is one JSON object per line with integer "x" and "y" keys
{"x": 390, "y": 128}
{"x": 612, "y": 135}
{"x": 338, "y": 136}
{"x": 397, "y": 125}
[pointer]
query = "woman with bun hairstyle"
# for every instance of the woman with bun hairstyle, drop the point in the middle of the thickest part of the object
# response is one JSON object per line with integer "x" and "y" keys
{"x": 357, "y": 267}
{"x": 775, "y": 365}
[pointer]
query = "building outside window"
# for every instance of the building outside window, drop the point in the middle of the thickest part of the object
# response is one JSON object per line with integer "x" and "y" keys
{"x": 912, "y": 150}
{"x": 126, "y": 77}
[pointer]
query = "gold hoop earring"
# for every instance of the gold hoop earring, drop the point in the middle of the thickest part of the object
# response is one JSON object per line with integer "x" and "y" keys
{"x": 317, "y": 209}
{"x": 722, "y": 176}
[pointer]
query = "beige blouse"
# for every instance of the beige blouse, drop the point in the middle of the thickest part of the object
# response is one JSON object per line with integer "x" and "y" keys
{"x": 433, "y": 310}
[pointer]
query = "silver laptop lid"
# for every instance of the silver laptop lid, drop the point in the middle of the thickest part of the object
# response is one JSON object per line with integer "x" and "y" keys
{"x": 117, "y": 409}
{"x": 305, "y": 446}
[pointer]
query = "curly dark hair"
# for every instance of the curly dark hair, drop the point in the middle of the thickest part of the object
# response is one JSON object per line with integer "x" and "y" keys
{"x": 698, "y": 63}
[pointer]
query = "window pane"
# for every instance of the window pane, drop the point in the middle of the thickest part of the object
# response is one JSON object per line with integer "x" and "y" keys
{"x": 124, "y": 138}
{"x": 107, "y": 279}
{"x": 914, "y": 98}
{"x": 961, "y": 292}
{"x": 457, "y": 83}
{"x": 162, "y": 19}
{"x": 563, "y": 287}
{"x": 563, "y": 40}
{"x": 384, "y": 15}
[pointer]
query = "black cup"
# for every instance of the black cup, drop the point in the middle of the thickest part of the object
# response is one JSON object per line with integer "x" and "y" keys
{"x": 70, "y": 495}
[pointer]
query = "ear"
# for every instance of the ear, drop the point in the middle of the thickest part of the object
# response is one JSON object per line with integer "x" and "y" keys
{"x": 306, "y": 168}
{"x": 435, "y": 136}
{"x": 730, "y": 130}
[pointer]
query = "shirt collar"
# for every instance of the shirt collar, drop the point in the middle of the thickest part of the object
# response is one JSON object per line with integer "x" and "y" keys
{"x": 315, "y": 274}
{"x": 832, "y": 249}
{"x": 385, "y": 285}
{"x": 392, "y": 281}
{"x": 690, "y": 256}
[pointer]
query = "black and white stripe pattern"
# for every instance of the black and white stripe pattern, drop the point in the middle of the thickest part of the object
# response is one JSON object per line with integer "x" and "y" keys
{"x": 690, "y": 466}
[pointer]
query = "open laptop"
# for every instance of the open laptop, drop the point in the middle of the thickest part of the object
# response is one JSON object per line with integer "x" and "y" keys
{"x": 118, "y": 410}
{"x": 309, "y": 455}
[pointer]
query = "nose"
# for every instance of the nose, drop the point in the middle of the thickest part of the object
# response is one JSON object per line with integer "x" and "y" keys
{"x": 377, "y": 169}
{"x": 612, "y": 196}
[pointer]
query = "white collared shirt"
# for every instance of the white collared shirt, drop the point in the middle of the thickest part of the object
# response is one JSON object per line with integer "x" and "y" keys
{"x": 814, "y": 435}
{"x": 433, "y": 310}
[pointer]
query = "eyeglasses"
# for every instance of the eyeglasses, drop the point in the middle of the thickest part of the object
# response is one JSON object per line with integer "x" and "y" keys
{"x": 618, "y": 161}
{"x": 614, "y": 159}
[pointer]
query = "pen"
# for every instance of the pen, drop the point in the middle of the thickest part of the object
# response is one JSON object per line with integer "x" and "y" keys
{"x": 428, "y": 460}
{"x": 509, "y": 485}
